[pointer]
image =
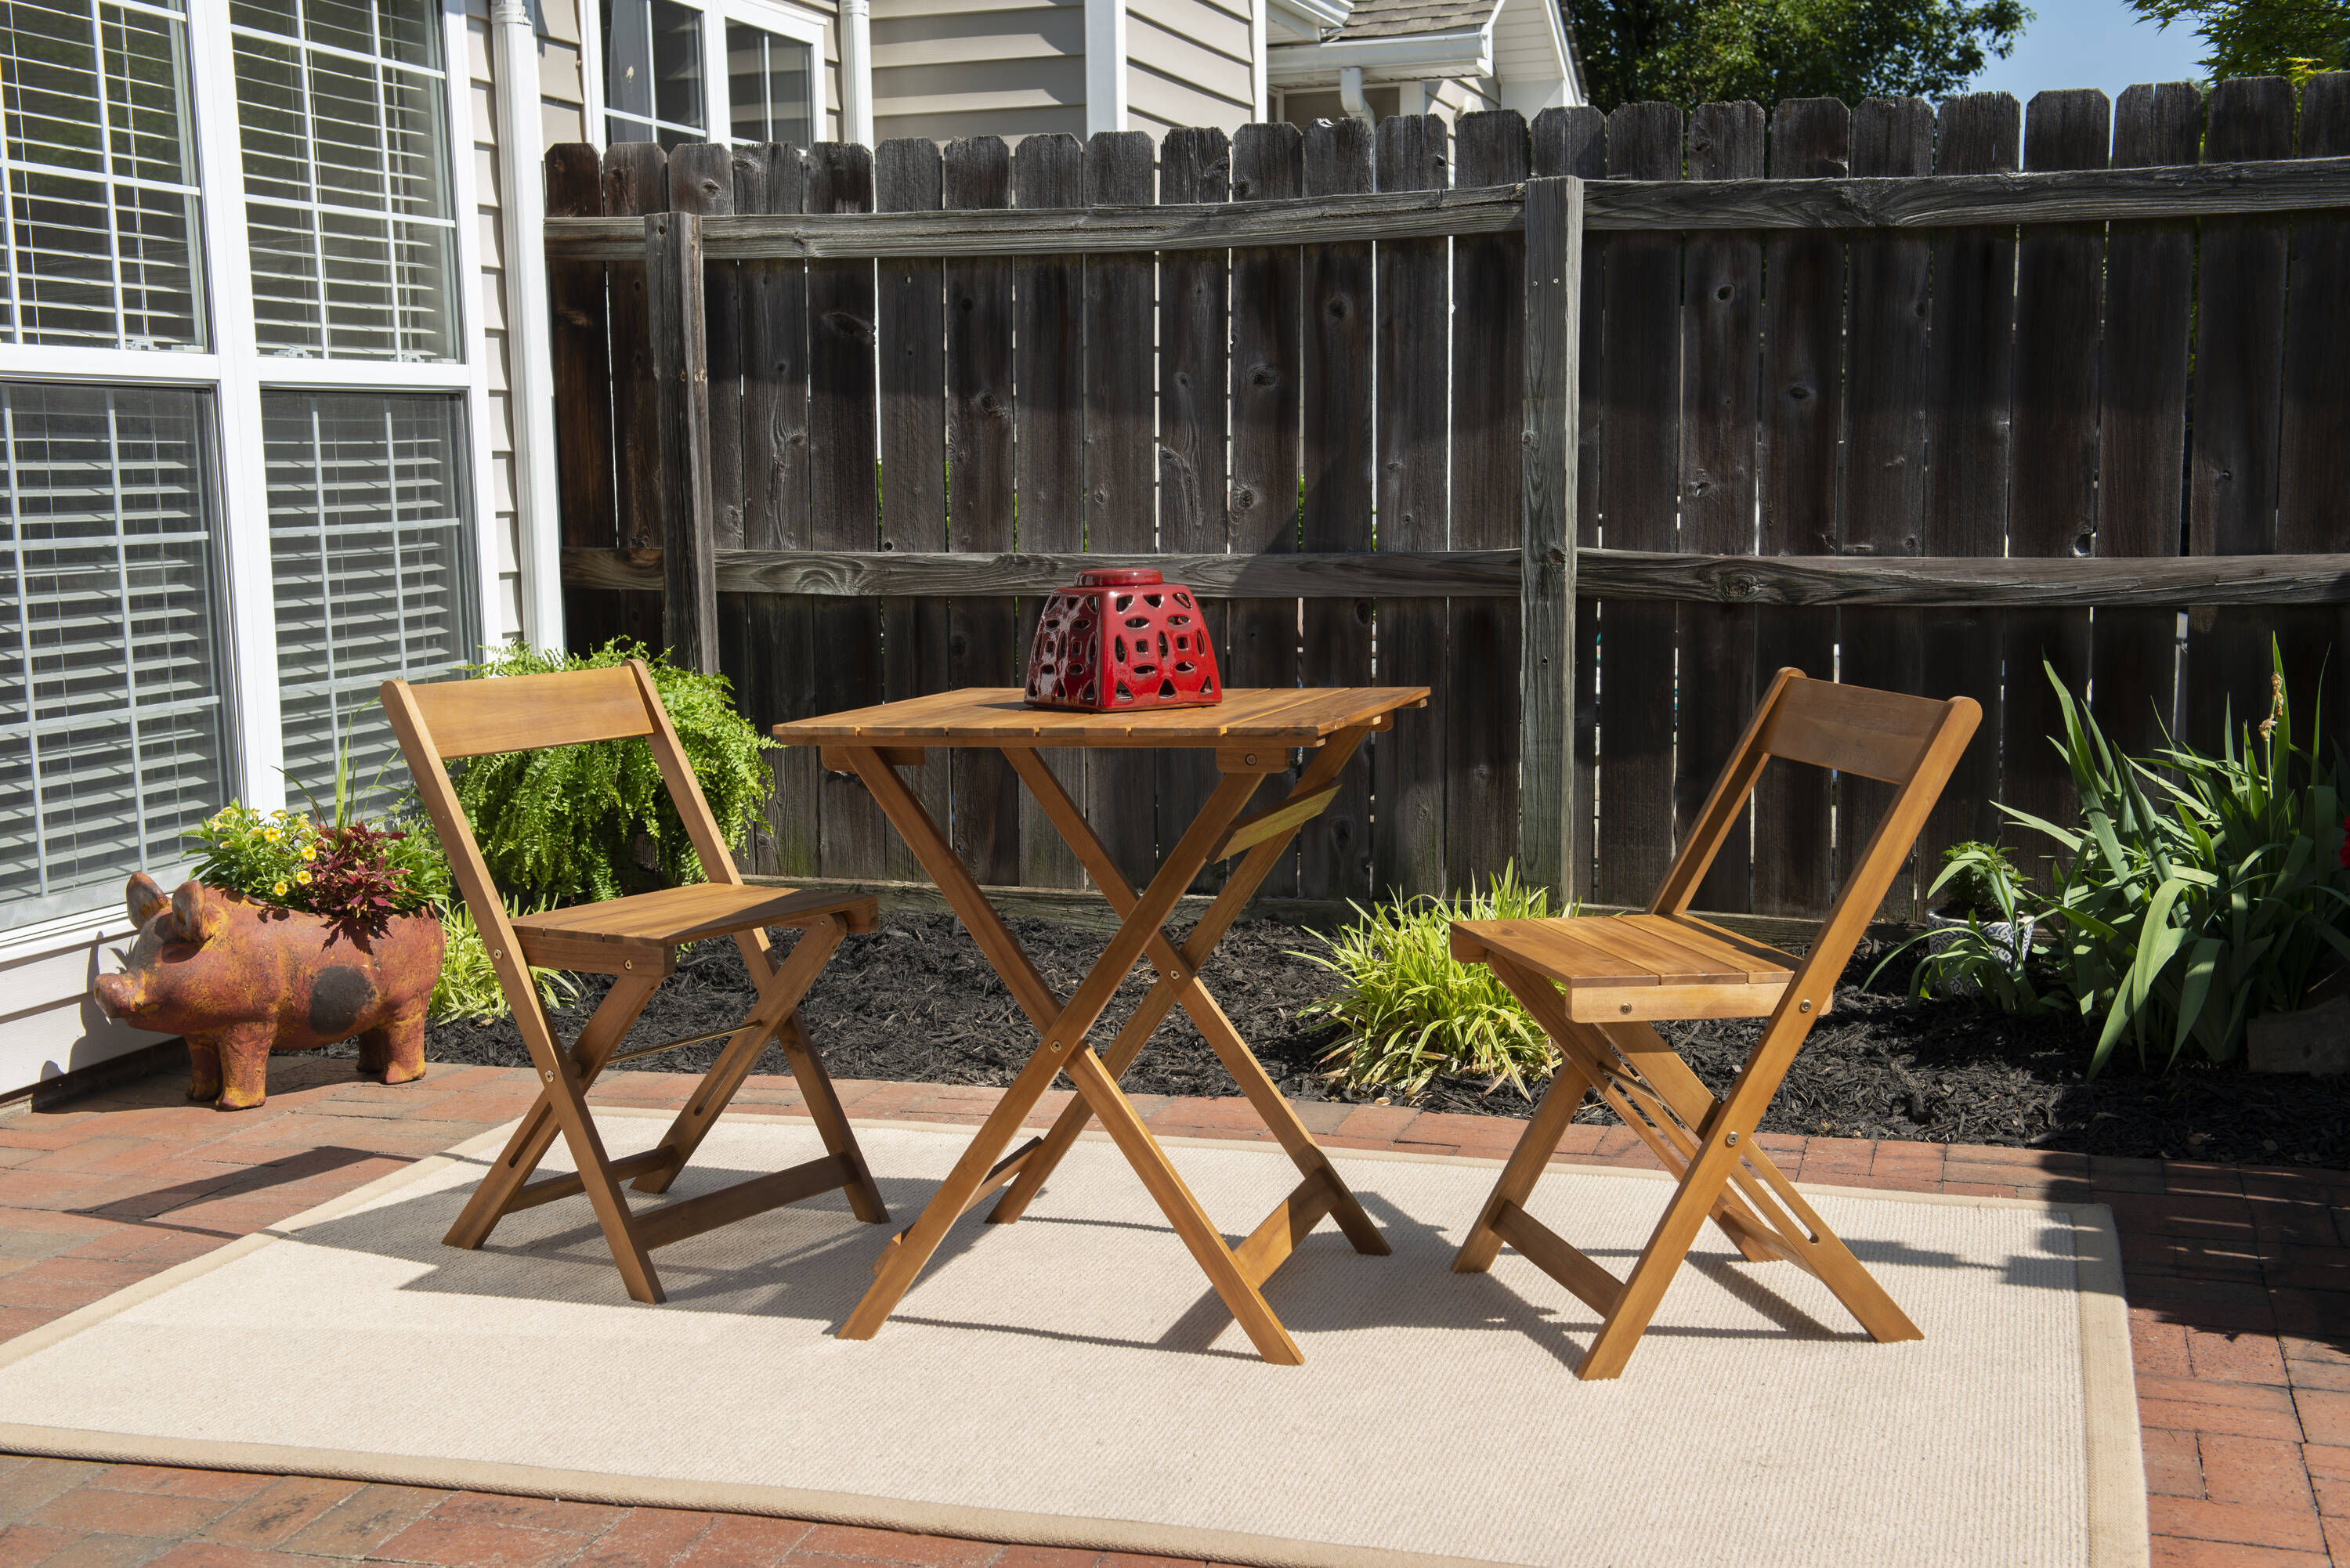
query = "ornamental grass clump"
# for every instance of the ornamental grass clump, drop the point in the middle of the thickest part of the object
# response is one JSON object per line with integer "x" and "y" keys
{"x": 2195, "y": 891}
{"x": 1413, "y": 1011}
{"x": 468, "y": 988}
{"x": 562, "y": 824}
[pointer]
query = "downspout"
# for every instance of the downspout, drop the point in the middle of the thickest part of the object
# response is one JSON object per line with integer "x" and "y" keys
{"x": 857, "y": 71}
{"x": 1350, "y": 93}
{"x": 530, "y": 365}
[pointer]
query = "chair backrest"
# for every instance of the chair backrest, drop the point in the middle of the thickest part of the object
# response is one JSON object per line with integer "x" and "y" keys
{"x": 446, "y": 719}
{"x": 528, "y": 712}
{"x": 1910, "y": 743}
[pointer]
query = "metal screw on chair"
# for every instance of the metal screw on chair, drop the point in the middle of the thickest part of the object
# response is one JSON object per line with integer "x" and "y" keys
{"x": 1803, "y": 1007}
{"x": 1732, "y": 1139}
{"x": 1625, "y": 1007}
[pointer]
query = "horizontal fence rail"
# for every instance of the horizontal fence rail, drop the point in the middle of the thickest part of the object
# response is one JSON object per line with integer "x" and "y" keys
{"x": 1916, "y": 582}
{"x": 1932, "y": 201}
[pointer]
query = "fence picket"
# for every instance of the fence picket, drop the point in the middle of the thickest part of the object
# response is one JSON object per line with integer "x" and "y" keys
{"x": 1638, "y": 483}
{"x": 2142, "y": 419}
{"x": 1720, "y": 396}
{"x": 2314, "y": 460}
{"x": 2053, "y": 487}
{"x": 1410, "y": 338}
{"x": 1884, "y": 506}
{"x": 1801, "y": 414}
{"x": 1336, "y": 511}
{"x": 2239, "y": 368}
{"x": 1120, "y": 501}
{"x": 636, "y": 182}
{"x": 1481, "y": 719}
{"x": 911, "y": 328}
{"x": 1260, "y": 641}
{"x": 1194, "y": 381}
{"x": 983, "y": 646}
{"x": 767, "y": 641}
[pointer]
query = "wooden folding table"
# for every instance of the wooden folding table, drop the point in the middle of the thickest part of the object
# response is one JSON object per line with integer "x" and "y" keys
{"x": 1253, "y": 734}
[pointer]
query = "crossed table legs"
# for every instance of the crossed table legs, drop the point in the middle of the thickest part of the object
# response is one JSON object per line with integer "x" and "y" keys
{"x": 1216, "y": 833}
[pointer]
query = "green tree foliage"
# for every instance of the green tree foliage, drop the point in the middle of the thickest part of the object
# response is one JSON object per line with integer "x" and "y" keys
{"x": 1701, "y": 51}
{"x": 563, "y": 824}
{"x": 2293, "y": 38}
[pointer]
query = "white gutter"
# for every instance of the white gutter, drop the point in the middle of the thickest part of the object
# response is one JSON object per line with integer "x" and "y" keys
{"x": 530, "y": 364}
{"x": 1105, "y": 65}
{"x": 1410, "y": 57}
{"x": 857, "y": 71}
{"x": 1350, "y": 93}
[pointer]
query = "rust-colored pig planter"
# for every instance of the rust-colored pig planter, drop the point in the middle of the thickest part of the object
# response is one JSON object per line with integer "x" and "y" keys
{"x": 241, "y": 979}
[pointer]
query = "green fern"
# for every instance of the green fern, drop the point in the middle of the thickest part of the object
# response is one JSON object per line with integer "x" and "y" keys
{"x": 561, "y": 825}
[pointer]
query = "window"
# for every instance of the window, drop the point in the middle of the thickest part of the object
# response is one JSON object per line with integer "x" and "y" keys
{"x": 340, "y": 104}
{"x": 112, "y": 732}
{"x": 372, "y": 559}
{"x": 102, "y": 232}
{"x": 659, "y": 55}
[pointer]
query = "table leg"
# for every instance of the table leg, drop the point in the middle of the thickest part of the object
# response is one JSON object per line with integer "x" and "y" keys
{"x": 1063, "y": 1028}
{"x": 1180, "y": 982}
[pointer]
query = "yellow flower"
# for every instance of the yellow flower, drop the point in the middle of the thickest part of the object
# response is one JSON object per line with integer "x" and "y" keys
{"x": 280, "y": 889}
{"x": 309, "y": 852}
{"x": 303, "y": 878}
{"x": 271, "y": 836}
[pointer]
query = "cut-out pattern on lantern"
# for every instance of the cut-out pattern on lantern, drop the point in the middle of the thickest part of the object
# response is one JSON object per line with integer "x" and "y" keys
{"x": 1120, "y": 640}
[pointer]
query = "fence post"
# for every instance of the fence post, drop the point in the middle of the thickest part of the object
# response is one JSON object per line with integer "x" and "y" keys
{"x": 681, "y": 357}
{"x": 1546, "y": 586}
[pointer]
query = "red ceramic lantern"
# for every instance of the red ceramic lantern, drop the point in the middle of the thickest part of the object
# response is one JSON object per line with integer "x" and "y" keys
{"x": 1122, "y": 640}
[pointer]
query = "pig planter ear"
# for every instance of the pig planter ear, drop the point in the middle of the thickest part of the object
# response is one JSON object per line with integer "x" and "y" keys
{"x": 241, "y": 978}
{"x": 142, "y": 897}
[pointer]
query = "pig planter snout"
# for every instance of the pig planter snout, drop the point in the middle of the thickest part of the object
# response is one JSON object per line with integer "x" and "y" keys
{"x": 241, "y": 979}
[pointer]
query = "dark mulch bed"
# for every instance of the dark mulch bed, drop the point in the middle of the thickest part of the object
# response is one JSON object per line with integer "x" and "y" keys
{"x": 915, "y": 1001}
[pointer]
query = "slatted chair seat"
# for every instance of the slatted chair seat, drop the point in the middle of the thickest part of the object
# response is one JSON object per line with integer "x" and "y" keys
{"x": 634, "y": 940}
{"x": 1638, "y": 966}
{"x": 1596, "y": 985}
{"x": 623, "y": 935}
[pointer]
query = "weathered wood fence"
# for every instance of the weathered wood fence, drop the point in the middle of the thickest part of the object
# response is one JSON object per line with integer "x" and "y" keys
{"x": 1919, "y": 397}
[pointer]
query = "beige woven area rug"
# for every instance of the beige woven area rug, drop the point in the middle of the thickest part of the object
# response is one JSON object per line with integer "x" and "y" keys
{"x": 1071, "y": 1380}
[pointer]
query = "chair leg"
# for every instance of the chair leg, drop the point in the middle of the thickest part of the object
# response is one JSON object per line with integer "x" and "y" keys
{"x": 1526, "y": 1163}
{"x": 1668, "y": 1243}
{"x": 831, "y": 1121}
{"x": 536, "y": 1134}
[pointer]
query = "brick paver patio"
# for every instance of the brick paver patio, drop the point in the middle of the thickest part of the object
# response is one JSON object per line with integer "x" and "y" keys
{"x": 2239, "y": 1283}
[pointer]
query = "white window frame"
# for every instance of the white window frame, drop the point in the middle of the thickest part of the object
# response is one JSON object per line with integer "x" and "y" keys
{"x": 717, "y": 104}
{"x": 237, "y": 374}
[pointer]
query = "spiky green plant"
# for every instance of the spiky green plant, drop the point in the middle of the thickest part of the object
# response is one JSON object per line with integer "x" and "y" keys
{"x": 468, "y": 985}
{"x": 1413, "y": 1011}
{"x": 2196, "y": 890}
{"x": 561, "y": 823}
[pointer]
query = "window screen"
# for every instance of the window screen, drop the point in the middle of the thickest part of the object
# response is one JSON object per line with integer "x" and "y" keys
{"x": 112, "y": 725}
{"x": 652, "y": 72}
{"x": 766, "y": 85}
{"x": 341, "y": 107}
{"x": 372, "y": 559}
{"x": 102, "y": 232}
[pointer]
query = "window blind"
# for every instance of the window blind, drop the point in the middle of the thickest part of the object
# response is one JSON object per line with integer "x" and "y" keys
{"x": 372, "y": 552}
{"x": 98, "y": 181}
{"x": 112, "y": 725}
{"x": 340, "y": 107}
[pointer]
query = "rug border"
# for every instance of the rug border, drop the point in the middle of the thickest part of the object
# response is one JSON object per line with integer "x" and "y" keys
{"x": 2115, "y": 1481}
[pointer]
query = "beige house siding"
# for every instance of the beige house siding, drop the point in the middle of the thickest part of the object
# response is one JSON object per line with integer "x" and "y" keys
{"x": 1187, "y": 64}
{"x": 948, "y": 68}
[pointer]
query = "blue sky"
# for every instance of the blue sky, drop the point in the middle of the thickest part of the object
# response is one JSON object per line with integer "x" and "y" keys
{"x": 2091, "y": 42}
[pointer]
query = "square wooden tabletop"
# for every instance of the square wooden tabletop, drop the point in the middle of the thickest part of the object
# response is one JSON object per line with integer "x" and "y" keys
{"x": 999, "y": 716}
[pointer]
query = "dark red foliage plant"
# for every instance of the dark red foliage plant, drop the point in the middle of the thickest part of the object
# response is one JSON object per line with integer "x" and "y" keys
{"x": 352, "y": 879}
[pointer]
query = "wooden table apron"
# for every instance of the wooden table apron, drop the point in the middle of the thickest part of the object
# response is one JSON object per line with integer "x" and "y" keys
{"x": 1253, "y": 733}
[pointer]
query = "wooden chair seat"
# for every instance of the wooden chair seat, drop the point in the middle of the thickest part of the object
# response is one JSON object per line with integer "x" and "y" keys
{"x": 628, "y": 934}
{"x": 1638, "y": 966}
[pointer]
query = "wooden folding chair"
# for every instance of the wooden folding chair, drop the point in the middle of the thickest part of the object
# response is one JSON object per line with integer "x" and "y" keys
{"x": 1596, "y": 984}
{"x": 635, "y": 940}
